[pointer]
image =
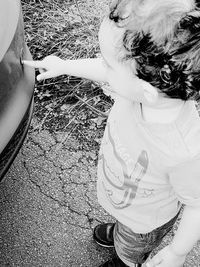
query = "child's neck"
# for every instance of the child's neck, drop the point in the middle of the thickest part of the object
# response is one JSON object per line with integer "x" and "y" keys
{"x": 166, "y": 113}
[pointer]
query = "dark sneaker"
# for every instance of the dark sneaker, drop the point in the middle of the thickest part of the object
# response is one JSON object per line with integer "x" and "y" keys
{"x": 103, "y": 234}
{"x": 116, "y": 262}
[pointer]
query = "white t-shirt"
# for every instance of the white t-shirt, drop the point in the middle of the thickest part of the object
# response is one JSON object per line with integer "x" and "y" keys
{"x": 146, "y": 169}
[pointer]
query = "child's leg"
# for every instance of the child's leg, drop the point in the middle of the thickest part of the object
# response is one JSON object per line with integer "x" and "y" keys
{"x": 130, "y": 247}
{"x": 133, "y": 248}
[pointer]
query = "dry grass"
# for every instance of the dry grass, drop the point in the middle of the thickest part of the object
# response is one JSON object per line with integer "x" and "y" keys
{"x": 66, "y": 28}
{"x": 69, "y": 29}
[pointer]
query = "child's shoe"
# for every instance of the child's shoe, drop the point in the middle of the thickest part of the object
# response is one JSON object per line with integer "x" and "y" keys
{"x": 103, "y": 234}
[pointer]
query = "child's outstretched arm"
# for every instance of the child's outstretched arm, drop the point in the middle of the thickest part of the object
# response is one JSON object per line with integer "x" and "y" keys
{"x": 121, "y": 79}
{"x": 53, "y": 66}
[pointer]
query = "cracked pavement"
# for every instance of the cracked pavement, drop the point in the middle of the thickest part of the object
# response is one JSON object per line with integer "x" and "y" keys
{"x": 48, "y": 206}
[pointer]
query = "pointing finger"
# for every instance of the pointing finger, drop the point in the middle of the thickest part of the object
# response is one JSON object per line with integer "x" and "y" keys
{"x": 33, "y": 64}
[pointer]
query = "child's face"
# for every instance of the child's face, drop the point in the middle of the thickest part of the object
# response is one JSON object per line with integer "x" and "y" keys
{"x": 122, "y": 79}
{"x": 110, "y": 40}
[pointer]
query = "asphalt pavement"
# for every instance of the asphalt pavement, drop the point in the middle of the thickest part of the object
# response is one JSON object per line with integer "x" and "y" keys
{"x": 48, "y": 206}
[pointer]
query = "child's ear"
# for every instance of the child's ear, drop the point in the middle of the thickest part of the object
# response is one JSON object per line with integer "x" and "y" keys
{"x": 150, "y": 93}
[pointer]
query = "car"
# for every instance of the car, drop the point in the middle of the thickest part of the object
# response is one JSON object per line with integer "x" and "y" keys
{"x": 16, "y": 83}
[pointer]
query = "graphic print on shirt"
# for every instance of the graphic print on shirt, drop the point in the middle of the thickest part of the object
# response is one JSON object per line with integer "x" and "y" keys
{"x": 120, "y": 184}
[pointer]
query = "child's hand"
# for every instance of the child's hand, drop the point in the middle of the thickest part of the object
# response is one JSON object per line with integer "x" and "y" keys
{"x": 165, "y": 258}
{"x": 49, "y": 67}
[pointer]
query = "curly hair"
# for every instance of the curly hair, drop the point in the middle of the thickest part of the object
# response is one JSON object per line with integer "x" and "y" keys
{"x": 171, "y": 64}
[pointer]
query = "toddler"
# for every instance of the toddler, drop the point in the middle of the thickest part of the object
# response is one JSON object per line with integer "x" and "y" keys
{"x": 149, "y": 161}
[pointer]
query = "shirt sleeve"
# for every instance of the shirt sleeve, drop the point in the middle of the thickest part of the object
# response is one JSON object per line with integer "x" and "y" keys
{"x": 185, "y": 180}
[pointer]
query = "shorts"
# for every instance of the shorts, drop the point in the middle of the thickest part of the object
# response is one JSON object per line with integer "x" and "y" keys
{"x": 135, "y": 248}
